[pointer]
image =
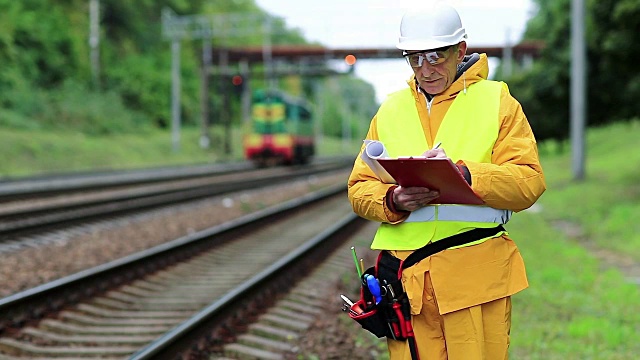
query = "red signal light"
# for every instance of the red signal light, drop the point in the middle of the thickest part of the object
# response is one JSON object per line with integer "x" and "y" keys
{"x": 236, "y": 80}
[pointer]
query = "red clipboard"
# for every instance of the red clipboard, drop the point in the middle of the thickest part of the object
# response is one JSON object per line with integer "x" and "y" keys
{"x": 437, "y": 174}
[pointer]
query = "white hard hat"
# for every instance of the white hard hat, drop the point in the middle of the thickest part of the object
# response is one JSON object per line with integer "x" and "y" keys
{"x": 431, "y": 28}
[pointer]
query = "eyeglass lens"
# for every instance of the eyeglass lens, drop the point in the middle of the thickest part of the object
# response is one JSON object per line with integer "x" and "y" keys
{"x": 433, "y": 57}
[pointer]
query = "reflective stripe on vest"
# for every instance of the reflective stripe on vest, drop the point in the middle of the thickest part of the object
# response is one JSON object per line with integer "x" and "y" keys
{"x": 468, "y": 131}
{"x": 460, "y": 213}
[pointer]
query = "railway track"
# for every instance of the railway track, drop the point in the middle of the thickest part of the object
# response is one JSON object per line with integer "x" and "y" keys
{"x": 52, "y": 185}
{"x": 188, "y": 297}
{"x": 42, "y": 186}
{"x": 30, "y": 208}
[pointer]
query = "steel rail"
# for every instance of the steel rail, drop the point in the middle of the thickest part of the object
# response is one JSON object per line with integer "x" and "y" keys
{"x": 74, "y": 182}
{"x": 201, "y": 328}
{"x": 192, "y": 335}
{"x": 30, "y": 220}
{"x": 32, "y": 304}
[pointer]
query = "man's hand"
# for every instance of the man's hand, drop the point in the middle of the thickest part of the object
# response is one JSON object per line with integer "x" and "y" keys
{"x": 435, "y": 153}
{"x": 413, "y": 198}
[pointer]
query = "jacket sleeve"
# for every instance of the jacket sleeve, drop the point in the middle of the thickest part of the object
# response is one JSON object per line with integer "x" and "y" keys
{"x": 367, "y": 193}
{"x": 514, "y": 179}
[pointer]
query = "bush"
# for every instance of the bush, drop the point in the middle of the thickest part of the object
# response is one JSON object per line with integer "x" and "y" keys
{"x": 74, "y": 107}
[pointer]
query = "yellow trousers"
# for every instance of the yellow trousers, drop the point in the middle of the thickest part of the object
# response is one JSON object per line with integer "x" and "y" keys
{"x": 477, "y": 333}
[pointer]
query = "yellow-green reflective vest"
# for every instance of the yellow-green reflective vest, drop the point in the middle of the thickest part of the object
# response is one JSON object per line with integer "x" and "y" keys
{"x": 468, "y": 131}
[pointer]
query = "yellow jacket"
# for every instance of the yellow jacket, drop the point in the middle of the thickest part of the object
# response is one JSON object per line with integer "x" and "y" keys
{"x": 513, "y": 180}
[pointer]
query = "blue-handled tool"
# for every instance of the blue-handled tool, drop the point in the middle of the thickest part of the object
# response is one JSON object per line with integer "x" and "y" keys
{"x": 374, "y": 287}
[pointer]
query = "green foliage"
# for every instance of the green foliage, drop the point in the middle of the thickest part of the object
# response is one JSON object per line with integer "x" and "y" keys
{"x": 354, "y": 111}
{"x": 37, "y": 42}
{"x": 140, "y": 80}
{"x": 71, "y": 107}
{"x": 613, "y": 53}
{"x": 76, "y": 109}
{"x": 613, "y": 83}
{"x": 44, "y": 48}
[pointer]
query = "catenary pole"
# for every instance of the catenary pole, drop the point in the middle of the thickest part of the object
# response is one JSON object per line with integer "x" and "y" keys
{"x": 507, "y": 56}
{"x": 578, "y": 89}
{"x": 94, "y": 41}
{"x": 205, "y": 137}
{"x": 175, "y": 95}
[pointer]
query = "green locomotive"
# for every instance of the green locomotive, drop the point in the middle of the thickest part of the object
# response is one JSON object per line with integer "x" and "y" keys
{"x": 281, "y": 131}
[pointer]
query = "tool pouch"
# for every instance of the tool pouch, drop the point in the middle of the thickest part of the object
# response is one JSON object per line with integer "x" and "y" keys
{"x": 391, "y": 316}
{"x": 371, "y": 320}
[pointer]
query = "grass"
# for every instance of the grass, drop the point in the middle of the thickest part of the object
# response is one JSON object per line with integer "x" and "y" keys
{"x": 576, "y": 307}
{"x": 28, "y": 152}
{"x": 606, "y": 202}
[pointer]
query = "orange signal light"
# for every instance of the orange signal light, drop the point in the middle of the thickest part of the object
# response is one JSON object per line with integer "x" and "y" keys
{"x": 350, "y": 59}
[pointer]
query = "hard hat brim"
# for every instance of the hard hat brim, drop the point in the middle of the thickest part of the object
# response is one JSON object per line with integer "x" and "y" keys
{"x": 423, "y": 45}
{"x": 434, "y": 42}
{"x": 408, "y": 44}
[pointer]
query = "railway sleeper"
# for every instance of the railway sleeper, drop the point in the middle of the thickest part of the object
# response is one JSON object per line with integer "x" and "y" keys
{"x": 278, "y": 331}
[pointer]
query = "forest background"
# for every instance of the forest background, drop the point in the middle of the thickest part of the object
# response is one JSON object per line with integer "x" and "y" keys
{"x": 55, "y": 116}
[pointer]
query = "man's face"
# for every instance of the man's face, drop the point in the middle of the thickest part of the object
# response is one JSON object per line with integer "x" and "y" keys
{"x": 436, "y": 69}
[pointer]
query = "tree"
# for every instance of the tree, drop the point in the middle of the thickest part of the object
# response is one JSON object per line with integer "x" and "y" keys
{"x": 613, "y": 47}
{"x": 45, "y": 78}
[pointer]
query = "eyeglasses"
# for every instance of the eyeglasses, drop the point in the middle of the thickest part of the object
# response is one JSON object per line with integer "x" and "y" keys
{"x": 434, "y": 57}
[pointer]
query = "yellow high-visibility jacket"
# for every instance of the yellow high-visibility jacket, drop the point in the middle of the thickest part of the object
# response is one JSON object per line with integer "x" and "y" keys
{"x": 513, "y": 180}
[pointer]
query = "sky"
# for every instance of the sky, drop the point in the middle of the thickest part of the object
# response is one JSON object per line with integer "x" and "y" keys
{"x": 376, "y": 23}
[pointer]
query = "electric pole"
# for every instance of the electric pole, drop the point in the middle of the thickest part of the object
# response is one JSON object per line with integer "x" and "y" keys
{"x": 94, "y": 41}
{"x": 578, "y": 88}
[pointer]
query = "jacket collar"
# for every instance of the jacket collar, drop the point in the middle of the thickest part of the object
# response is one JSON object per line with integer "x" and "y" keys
{"x": 474, "y": 67}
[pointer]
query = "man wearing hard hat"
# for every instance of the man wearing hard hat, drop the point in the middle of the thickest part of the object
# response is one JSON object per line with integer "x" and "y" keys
{"x": 460, "y": 298}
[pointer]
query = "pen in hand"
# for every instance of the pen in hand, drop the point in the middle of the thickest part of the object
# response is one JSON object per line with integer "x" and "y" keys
{"x": 433, "y": 154}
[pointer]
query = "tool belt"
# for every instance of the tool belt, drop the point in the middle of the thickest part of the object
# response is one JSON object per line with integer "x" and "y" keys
{"x": 389, "y": 313}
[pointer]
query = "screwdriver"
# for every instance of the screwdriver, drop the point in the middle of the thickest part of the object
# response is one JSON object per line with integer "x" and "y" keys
{"x": 374, "y": 286}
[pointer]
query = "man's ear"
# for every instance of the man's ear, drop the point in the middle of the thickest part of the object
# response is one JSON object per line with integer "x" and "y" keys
{"x": 462, "y": 51}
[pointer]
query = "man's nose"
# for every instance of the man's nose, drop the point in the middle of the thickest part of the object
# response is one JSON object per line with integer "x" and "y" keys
{"x": 427, "y": 68}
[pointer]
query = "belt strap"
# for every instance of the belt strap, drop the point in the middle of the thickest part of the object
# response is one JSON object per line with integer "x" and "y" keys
{"x": 391, "y": 262}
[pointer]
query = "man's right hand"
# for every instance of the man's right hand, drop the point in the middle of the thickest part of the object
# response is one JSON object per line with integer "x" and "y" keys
{"x": 413, "y": 198}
